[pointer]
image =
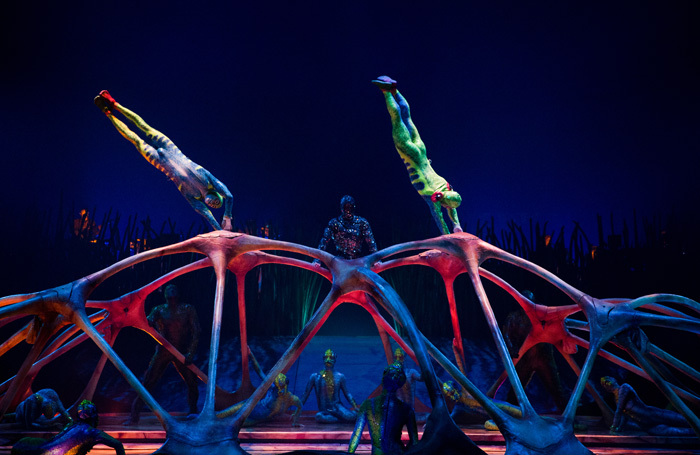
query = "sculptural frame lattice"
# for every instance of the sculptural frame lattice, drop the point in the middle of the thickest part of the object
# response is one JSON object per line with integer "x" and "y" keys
{"x": 59, "y": 314}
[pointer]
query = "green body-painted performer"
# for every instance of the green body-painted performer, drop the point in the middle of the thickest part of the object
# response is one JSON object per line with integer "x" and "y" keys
{"x": 76, "y": 439}
{"x": 386, "y": 416}
{"x": 196, "y": 184}
{"x": 434, "y": 189}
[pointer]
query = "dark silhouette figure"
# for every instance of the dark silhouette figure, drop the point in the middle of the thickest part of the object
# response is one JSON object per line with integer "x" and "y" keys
{"x": 179, "y": 324}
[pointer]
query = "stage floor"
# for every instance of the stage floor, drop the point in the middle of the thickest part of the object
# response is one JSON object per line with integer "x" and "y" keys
{"x": 280, "y": 437}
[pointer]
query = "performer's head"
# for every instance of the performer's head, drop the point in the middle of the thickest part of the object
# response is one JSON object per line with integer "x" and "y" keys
{"x": 329, "y": 358}
{"x": 450, "y": 199}
{"x": 87, "y": 412}
{"x": 281, "y": 382}
{"x": 609, "y": 383}
{"x": 393, "y": 378}
{"x": 450, "y": 390}
{"x": 347, "y": 206}
{"x": 213, "y": 199}
{"x": 399, "y": 355}
{"x": 172, "y": 294}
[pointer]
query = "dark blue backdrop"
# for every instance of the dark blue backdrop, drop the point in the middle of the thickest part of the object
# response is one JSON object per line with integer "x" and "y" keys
{"x": 555, "y": 111}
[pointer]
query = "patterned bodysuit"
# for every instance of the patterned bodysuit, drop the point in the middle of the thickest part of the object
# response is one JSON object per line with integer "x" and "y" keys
{"x": 348, "y": 235}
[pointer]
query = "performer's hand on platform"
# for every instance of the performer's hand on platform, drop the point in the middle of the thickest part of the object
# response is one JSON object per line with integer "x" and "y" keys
{"x": 226, "y": 224}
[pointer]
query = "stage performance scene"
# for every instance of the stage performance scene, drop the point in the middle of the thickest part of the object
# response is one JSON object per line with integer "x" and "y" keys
{"x": 558, "y": 314}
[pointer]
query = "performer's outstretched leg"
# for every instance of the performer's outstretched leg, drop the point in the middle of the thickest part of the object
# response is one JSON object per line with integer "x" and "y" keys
{"x": 406, "y": 119}
{"x": 157, "y": 138}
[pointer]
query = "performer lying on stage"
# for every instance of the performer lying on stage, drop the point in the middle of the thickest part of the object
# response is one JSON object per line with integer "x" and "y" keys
{"x": 434, "y": 189}
{"x": 468, "y": 411}
{"x": 196, "y": 184}
{"x": 386, "y": 416}
{"x": 328, "y": 384}
{"x": 633, "y": 414}
{"x": 407, "y": 392}
{"x": 78, "y": 438}
{"x": 275, "y": 403}
{"x": 41, "y": 410}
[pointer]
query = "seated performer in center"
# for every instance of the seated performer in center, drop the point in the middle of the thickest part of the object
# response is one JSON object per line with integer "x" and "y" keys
{"x": 328, "y": 384}
{"x": 386, "y": 416}
{"x": 434, "y": 189}
{"x": 196, "y": 184}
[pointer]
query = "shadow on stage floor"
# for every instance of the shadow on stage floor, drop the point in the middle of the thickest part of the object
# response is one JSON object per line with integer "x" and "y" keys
{"x": 279, "y": 437}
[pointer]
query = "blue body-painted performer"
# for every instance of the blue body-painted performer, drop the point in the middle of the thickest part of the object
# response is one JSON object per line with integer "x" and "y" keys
{"x": 276, "y": 402}
{"x": 386, "y": 416}
{"x": 348, "y": 233}
{"x": 42, "y": 410}
{"x": 434, "y": 190}
{"x": 179, "y": 324}
{"x": 76, "y": 439}
{"x": 328, "y": 384}
{"x": 631, "y": 413}
{"x": 196, "y": 184}
{"x": 407, "y": 392}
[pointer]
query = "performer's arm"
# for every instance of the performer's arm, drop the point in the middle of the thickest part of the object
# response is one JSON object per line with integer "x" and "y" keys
{"x": 201, "y": 208}
{"x": 344, "y": 389}
{"x": 227, "y": 222}
{"x": 195, "y": 331}
{"x": 366, "y": 233}
{"x": 109, "y": 441}
{"x": 309, "y": 387}
{"x": 357, "y": 432}
{"x": 297, "y": 412}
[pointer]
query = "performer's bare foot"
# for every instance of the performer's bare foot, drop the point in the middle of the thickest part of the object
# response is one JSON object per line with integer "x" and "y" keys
{"x": 386, "y": 84}
{"x": 105, "y": 94}
{"x": 103, "y": 104}
{"x": 131, "y": 421}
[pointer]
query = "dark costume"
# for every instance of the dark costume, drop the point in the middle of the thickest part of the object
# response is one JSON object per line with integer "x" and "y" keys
{"x": 179, "y": 324}
{"x": 348, "y": 232}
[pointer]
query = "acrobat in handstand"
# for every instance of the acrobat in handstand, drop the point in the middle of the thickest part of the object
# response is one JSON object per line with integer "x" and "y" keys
{"x": 434, "y": 189}
{"x": 196, "y": 184}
